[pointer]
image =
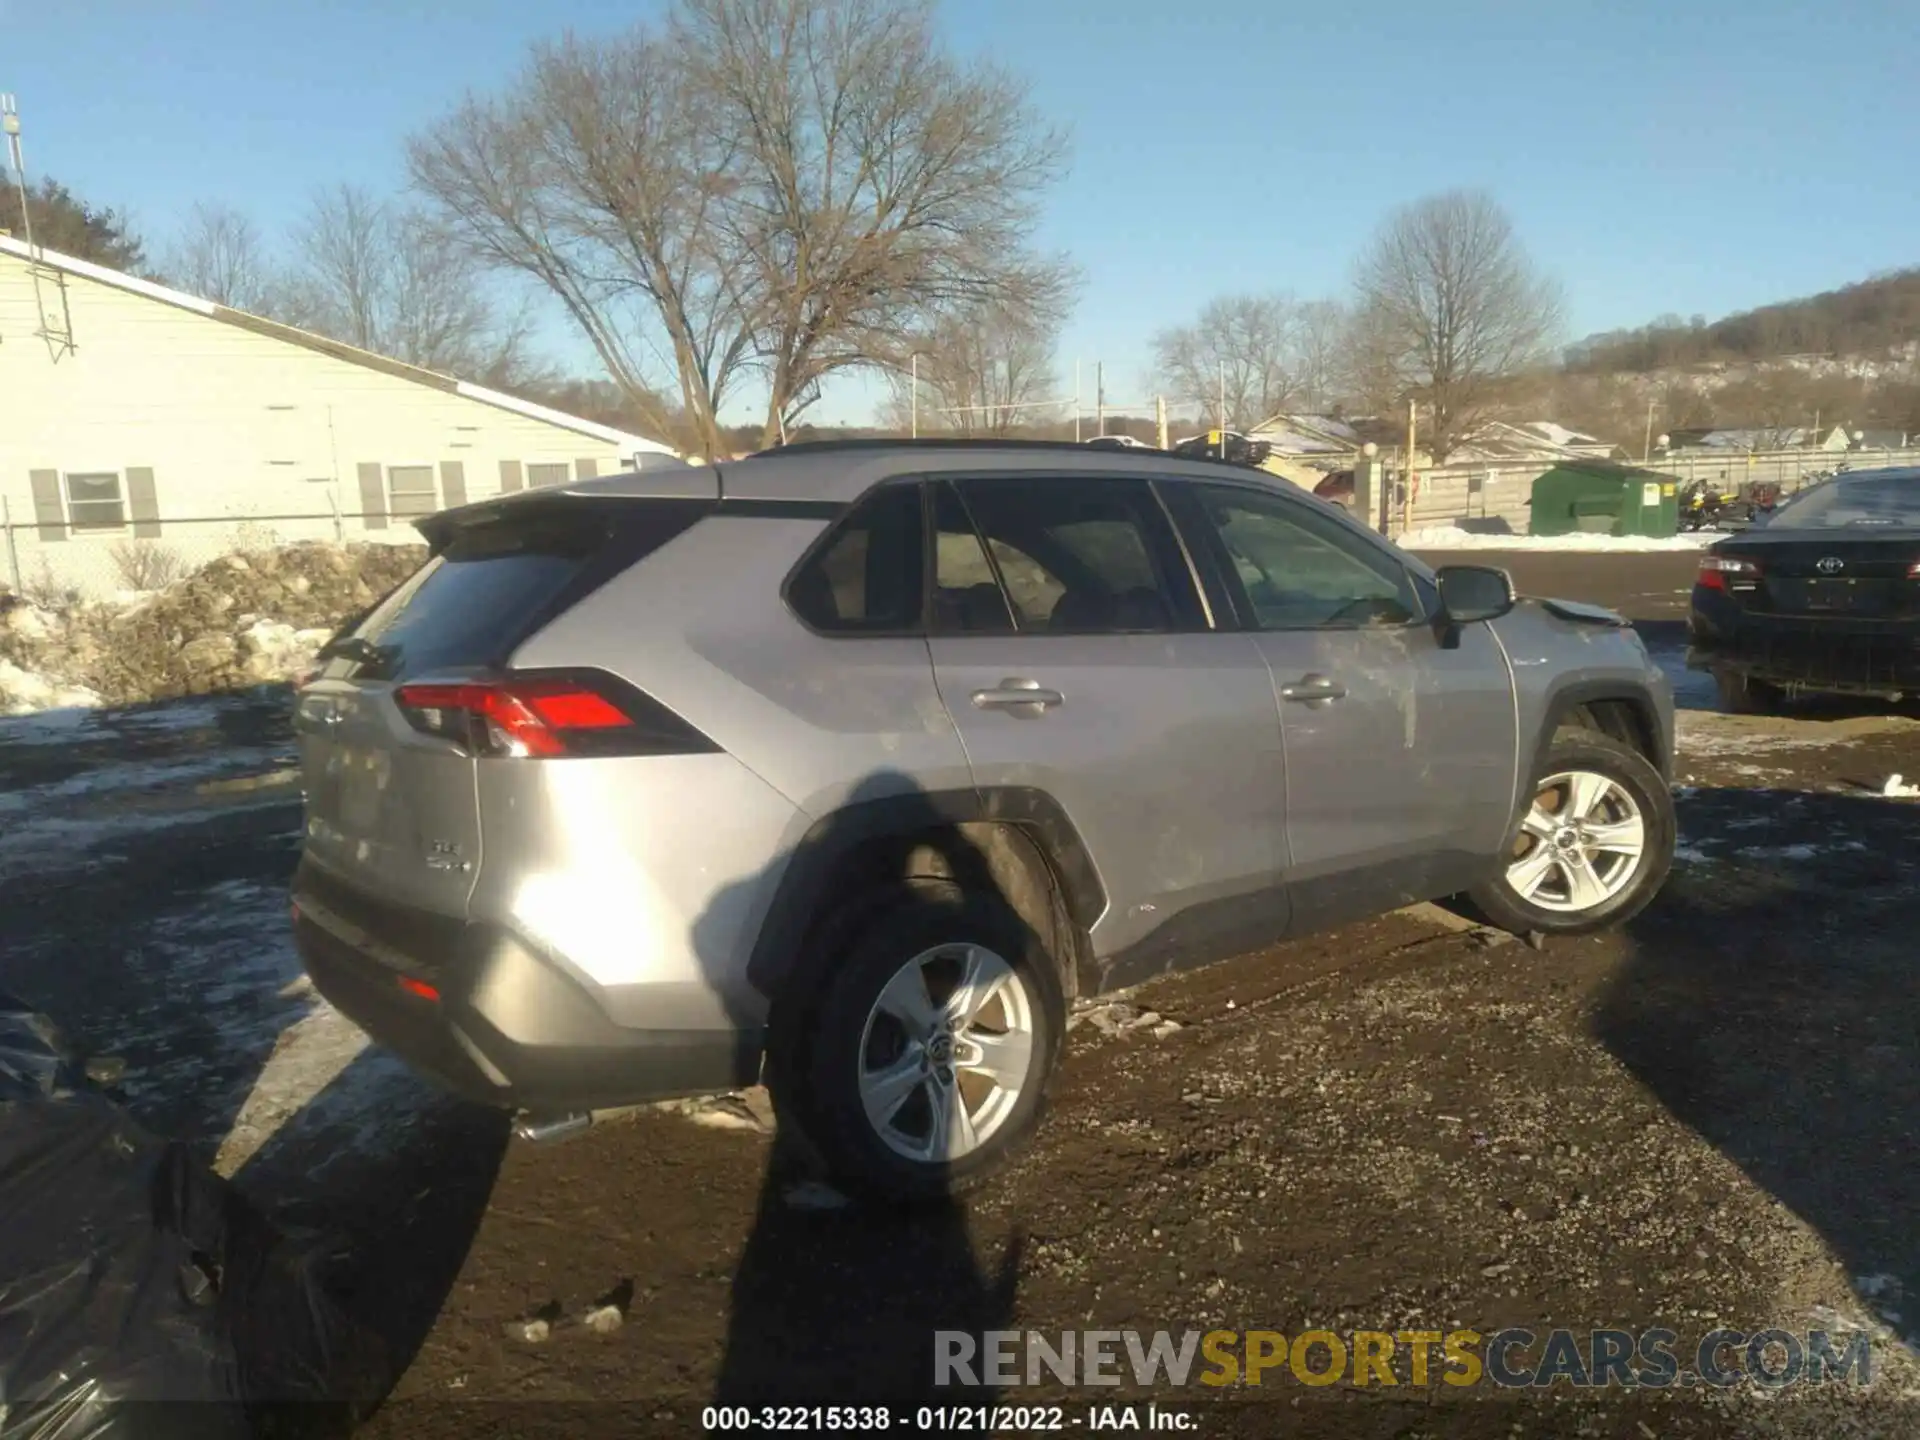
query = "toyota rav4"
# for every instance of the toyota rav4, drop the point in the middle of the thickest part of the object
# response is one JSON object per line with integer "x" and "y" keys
{"x": 849, "y": 767}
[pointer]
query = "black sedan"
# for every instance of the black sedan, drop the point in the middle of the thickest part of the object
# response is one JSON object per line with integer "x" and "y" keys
{"x": 1821, "y": 597}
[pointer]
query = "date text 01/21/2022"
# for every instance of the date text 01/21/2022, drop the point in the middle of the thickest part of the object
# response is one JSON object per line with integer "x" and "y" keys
{"x": 942, "y": 1419}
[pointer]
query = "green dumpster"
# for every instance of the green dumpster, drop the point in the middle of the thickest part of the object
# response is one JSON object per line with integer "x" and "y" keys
{"x": 1596, "y": 497}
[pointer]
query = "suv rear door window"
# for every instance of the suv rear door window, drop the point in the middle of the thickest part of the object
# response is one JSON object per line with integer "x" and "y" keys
{"x": 1081, "y": 557}
{"x": 967, "y": 598}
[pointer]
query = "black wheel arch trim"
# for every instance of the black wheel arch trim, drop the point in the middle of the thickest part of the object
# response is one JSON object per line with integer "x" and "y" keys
{"x": 1567, "y": 699}
{"x": 778, "y": 950}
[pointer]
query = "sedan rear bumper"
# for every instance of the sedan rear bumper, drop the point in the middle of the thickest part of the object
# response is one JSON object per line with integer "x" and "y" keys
{"x": 488, "y": 1017}
{"x": 1828, "y": 657}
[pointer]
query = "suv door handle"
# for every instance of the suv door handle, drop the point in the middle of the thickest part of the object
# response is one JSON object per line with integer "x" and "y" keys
{"x": 1019, "y": 695}
{"x": 1309, "y": 689}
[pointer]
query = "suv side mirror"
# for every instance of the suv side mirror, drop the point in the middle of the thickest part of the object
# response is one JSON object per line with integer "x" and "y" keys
{"x": 1473, "y": 592}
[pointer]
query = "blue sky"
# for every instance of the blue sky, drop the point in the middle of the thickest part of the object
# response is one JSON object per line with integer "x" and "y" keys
{"x": 1691, "y": 157}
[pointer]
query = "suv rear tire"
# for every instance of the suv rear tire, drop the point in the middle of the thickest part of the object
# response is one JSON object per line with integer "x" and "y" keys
{"x": 1594, "y": 847}
{"x": 878, "y": 1082}
{"x": 1743, "y": 695}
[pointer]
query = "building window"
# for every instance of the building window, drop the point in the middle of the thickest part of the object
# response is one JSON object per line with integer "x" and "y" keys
{"x": 538, "y": 475}
{"x": 411, "y": 491}
{"x": 96, "y": 502}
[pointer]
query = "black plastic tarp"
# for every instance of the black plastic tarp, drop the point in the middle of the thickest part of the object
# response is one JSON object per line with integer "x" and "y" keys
{"x": 140, "y": 1295}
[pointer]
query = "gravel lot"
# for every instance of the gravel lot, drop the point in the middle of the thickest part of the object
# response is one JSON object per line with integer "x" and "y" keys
{"x": 1705, "y": 1120}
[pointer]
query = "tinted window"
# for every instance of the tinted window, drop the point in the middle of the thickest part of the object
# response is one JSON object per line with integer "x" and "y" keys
{"x": 494, "y": 583}
{"x": 1082, "y": 557}
{"x": 967, "y": 599}
{"x": 1882, "y": 502}
{"x": 867, "y": 577}
{"x": 1298, "y": 570}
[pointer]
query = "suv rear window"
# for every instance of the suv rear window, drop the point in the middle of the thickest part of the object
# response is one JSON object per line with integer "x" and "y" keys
{"x": 499, "y": 580}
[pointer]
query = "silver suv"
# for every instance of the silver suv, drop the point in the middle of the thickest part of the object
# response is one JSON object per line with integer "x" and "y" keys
{"x": 848, "y": 767}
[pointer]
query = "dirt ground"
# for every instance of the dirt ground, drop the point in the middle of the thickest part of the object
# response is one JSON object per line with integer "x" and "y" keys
{"x": 1706, "y": 1120}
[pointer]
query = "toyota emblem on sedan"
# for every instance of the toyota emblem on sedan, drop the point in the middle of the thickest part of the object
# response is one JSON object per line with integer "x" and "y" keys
{"x": 1830, "y": 565}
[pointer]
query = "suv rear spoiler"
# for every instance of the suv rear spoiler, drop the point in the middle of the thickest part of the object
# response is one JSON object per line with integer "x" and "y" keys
{"x": 686, "y": 482}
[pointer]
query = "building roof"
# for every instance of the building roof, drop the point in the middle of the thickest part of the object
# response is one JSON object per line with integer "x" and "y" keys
{"x": 1788, "y": 437}
{"x": 627, "y": 442}
{"x": 1306, "y": 435}
{"x": 1555, "y": 434}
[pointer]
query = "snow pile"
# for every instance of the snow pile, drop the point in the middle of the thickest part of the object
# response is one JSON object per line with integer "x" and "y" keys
{"x": 274, "y": 650}
{"x": 24, "y": 692}
{"x": 245, "y": 619}
{"x": 1451, "y": 537}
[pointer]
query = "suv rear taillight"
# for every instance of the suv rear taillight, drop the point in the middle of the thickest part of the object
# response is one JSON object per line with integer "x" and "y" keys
{"x": 523, "y": 717}
{"x": 1717, "y": 572}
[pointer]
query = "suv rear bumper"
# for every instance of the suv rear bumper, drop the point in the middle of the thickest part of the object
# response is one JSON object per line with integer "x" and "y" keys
{"x": 499, "y": 1024}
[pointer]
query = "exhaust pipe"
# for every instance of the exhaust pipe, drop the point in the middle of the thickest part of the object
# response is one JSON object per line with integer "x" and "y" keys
{"x": 555, "y": 1127}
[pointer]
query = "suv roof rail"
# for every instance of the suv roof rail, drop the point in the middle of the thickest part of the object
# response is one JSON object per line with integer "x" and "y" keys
{"x": 828, "y": 447}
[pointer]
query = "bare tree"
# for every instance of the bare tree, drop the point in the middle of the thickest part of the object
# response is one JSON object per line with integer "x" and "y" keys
{"x": 387, "y": 279}
{"x": 779, "y": 190}
{"x": 219, "y": 256}
{"x": 1245, "y": 347}
{"x": 985, "y": 374}
{"x": 1450, "y": 306}
{"x": 1320, "y": 329}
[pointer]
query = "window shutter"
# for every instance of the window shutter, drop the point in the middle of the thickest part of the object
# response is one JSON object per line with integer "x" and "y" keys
{"x": 586, "y": 467}
{"x": 143, "y": 504}
{"x": 48, "y": 511}
{"x": 510, "y": 479}
{"x": 453, "y": 483}
{"x": 373, "y": 497}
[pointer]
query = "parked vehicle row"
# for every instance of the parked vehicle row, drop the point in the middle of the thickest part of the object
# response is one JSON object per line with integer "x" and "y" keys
{"x": 849, "y": 766}
{"x": 1822, "y": 598}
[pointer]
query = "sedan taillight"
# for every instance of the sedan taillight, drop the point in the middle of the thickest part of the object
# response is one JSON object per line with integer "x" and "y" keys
{"x": 548, "y": 717}
{"x": 1717, "y": 572}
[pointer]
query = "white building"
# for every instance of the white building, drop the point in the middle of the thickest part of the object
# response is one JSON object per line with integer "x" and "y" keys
{"x": 134, "y": 413}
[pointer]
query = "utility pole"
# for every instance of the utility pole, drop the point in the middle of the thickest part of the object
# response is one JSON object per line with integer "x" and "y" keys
{"x": 1646, "y": 449}
{"x": 913, "y": 405}
{"x": 1100, "y": 395}
{"x": 10, "y": 127}
{"x": 1406, "y": 495}
{"x": 1223, "y": 409}
{"x": 1160, "y": 419}
{"x": 1076, "y": 402}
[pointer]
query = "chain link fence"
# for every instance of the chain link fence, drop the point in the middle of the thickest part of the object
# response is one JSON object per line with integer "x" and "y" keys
{"x": 59, "y": 565}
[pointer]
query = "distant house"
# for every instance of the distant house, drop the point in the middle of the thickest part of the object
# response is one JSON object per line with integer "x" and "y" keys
{"x": 1307, "y": 448}
{"x": 133, "y": 410}
{"x": 1883, "y": 440}
{"x": 1752, "y": 439}
{"x": 1573, "y": 441}
{"x": 1500, "y": 443}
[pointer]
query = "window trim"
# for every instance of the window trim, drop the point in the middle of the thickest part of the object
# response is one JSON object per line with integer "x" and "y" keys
{"x": 74, "y": 527}
{"x": 1220, "y": 561}
{"x": 930, "y": 490}
{"x": 824, "y": 541}
{"x": 1166, "y": 552}
{"x": 394, "y": 512}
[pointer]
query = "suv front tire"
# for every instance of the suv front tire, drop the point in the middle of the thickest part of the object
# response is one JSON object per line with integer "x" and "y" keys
{"x": 1595, "y": 844}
